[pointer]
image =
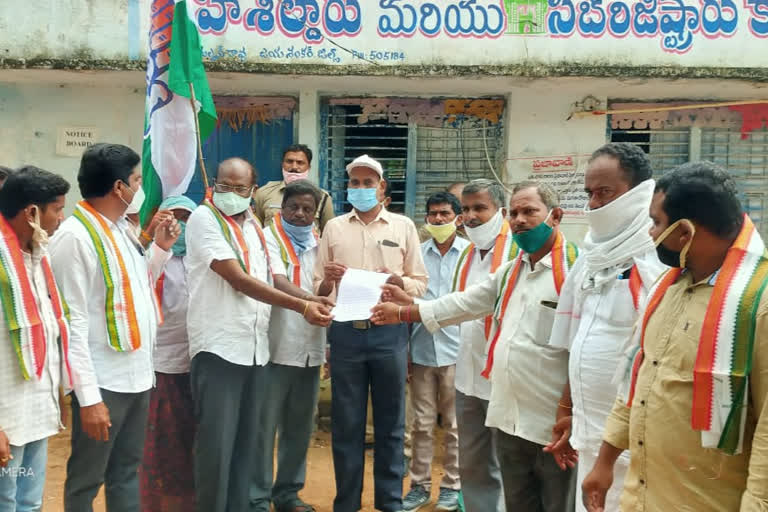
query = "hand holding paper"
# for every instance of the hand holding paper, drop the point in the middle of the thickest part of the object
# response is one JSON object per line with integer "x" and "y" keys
{"x": 359, "y": 291}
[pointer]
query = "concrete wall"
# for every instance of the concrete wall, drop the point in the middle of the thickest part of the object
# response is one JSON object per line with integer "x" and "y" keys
{"x": 34, "y": 103}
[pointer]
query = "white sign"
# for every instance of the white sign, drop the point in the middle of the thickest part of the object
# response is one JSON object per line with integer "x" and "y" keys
{"x": 73, "y": 140}
{"x": 565, "y": 174}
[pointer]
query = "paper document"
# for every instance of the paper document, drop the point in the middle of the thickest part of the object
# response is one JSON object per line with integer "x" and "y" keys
{"x": 359, "y": 291}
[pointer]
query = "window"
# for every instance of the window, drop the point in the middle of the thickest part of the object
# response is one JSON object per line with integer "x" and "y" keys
{"x": 424, "y": 145}
{"x": 674, "y": 138}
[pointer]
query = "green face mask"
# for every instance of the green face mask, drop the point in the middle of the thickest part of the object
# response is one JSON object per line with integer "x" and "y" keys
{"x": 534, "y": 239}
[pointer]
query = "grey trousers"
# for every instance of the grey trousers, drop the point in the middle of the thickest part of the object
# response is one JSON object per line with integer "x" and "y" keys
{"x": 289, "y": 412}
{"x": 533, "y": 482}
{"x": 479, "y": 468}
{"x": 228, "y": 404}
{"x": 114, "y": 463}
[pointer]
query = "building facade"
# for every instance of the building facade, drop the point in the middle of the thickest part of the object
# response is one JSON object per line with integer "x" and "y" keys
{"x": 440, "y": 91}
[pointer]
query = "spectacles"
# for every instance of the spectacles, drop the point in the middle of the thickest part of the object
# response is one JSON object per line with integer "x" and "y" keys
{"x": 240, "y": 190}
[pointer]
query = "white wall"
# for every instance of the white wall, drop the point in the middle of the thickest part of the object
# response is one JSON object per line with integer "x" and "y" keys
{"x": 34, "y": 103}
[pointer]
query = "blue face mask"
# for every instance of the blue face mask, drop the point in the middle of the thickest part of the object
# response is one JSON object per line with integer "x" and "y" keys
{"x": 179, "y": 247}
{"x": 362, "y": 199}
{"x": 300, "y": 236}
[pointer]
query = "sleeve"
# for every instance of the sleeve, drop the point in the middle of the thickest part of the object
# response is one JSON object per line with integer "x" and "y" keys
{"x": 323, "y": 257}
{"x": 414, "y": 271}
{"x": 158, "y": 257}
{"x": 276, "y": 264}
{"x": 205, "y": 239}
{"x": 75, "y": 268}
{"x": 327, "y": 213}
{"x": 755, "y": 497}
{"x": 475, "y": 302}
{"x": 617, "y": 425}
{"x": 259, "y": 198}
{"x": 566, "y": 317}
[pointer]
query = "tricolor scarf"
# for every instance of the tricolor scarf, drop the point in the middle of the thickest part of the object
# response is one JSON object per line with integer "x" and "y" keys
{"x": 22, "y": 315}
{"x": 238, "y": 244}
{"x": 122, "y": 326}
{"x": 504, "y": 250}
{"x": 724, "y": 358}
{"x": 287, "y": 252}
{"x": 564, "y": 255}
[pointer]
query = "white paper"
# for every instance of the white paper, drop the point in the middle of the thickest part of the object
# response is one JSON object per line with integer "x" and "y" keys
{"x": 359, "y": 291}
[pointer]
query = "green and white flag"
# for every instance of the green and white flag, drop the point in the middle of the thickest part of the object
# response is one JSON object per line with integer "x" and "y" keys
{"x": 174, "y": 62}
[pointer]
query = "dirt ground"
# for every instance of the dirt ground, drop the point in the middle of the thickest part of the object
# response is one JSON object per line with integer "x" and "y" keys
{"x": 319, "y": 491}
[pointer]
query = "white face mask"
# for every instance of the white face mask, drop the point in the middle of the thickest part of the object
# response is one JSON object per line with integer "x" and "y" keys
{"x": 231, "y": 203}
{"x": 484, "y": 236}
{"x": 138, "y": 200}
{"x": 617, "y": 216}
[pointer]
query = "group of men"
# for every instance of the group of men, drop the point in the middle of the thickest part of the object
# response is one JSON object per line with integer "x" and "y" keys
{"x": 624, "y": 374}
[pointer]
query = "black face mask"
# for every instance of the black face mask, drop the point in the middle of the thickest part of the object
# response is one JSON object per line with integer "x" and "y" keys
{"x": 668, "y": 256}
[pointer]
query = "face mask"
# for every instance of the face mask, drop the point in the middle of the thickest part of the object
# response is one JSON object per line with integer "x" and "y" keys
{"x": 39, "y": 235}
{"x": 138, "y": 199}
{"x": 534, "y": 239}
{"x": 179, "y": 247}
{"x": 300, "y": 235}
{"x": 614, "y": 218}
{"x": 290, "y": 177}
{"x": 362, "y": 199}
{"x": 230, "y": 203}
{"x": 668, "y": 256}
{"x": 441, "y": 232}
{"x": 484, "y": 236}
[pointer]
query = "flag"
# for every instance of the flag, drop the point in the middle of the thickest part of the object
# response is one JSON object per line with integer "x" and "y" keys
{"x": 169, "y": 153}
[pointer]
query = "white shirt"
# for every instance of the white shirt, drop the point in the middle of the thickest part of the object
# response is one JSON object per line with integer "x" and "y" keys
{"x": 607, "y": 317}
{"x": 94, "y": 363}
{"x": 172, "y": 349}
{"x": 221, "y": 320}
{"x": 528, "y": 376}
{"x": 472, "y": 348}
{"x": 29, "y": 409}
{"x": 292, "y": 340}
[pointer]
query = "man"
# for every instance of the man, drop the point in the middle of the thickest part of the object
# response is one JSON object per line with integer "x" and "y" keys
{"x": 363, "y": 356}
{"x": 167, "y": 477}
{"x": 230, "y": 295}
{"x": 433, "y": 358}
{"x": 483, "y": 211}
{"x": 596, "y": 311}
{"x": 297, "y": 160}
{"x": 695, "y": 422}
{"x": 456, "y": 189}
{"x": 108, "y": 281}
{"x": 32, "y": 361}
{"x": 526, "y": 374}
{"x": 4, "y": 173}
{"x": 297, "y": 351}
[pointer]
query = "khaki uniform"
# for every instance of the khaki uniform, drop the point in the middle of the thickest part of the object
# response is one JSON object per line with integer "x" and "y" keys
{"x": 269, "y": 199}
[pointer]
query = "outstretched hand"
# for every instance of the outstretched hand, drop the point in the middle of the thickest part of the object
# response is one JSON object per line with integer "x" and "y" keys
{"x": 386, "y": 313}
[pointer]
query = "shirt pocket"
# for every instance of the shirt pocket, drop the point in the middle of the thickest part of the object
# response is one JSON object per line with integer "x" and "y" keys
{"x": 617, "y": 308}
{"x": 545, "y": 318}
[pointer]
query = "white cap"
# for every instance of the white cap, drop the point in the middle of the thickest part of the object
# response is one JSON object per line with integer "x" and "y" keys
{"x": 366, "y": 161}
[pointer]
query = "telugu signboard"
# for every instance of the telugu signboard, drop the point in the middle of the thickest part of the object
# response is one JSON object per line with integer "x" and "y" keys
{"x": 565, "y": 174}
{"x": 711, "y": 33}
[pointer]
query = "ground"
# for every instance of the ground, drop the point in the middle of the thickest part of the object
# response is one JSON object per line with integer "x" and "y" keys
{"x": 319, "y": 491}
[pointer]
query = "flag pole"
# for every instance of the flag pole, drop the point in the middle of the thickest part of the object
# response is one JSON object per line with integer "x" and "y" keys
{"x": 193, "y": 101}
